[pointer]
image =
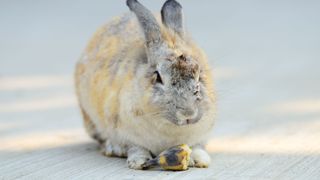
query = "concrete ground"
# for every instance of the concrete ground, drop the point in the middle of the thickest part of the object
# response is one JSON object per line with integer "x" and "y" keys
{"x": 265, "y": 57}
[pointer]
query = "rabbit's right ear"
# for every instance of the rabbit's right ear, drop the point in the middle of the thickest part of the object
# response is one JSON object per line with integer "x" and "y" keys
{"x": 172, "y": 16}
{"x": 148, "y": 23}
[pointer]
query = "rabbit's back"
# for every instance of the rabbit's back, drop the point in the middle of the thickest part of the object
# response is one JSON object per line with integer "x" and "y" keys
{"x": 109, "y": 61}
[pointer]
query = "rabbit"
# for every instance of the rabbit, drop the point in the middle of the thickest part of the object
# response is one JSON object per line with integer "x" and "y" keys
{"x": 144, "y": 86}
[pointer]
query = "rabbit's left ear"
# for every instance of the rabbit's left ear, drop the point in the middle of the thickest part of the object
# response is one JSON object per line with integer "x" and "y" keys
{"x": 172, "y": 16}
{"x": 148, "y": 23}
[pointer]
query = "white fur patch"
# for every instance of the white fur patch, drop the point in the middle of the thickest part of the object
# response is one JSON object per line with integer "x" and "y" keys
{"x": 200, "y": 158}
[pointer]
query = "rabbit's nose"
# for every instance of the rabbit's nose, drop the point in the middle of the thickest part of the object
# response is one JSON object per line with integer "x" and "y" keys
{"x": 187, "y": 114}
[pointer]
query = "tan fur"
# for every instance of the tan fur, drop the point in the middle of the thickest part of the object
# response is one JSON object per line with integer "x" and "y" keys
{"x": 106, "y": 81}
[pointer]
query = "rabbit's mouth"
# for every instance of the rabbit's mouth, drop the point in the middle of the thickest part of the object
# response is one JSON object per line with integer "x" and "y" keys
{"x": 182, "y": 120}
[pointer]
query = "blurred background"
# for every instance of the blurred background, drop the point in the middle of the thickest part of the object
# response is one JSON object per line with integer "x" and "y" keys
{"x": 265, "y": 57}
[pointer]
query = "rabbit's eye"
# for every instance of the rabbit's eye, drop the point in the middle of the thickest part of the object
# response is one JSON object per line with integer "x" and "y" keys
{"x": 158, "y": 77}
{"x": 182, "y": 58}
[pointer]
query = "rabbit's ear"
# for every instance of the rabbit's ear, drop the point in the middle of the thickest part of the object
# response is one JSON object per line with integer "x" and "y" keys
{"x": 172, "y": 16}
{"x": 148, "y": 23}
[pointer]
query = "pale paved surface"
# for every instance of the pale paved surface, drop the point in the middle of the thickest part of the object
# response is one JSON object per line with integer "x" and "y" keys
{"x": 265, "y": 56}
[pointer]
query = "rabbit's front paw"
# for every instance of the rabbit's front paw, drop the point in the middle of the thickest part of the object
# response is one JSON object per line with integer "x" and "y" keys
{"x": 137, "y": 157}
{"x": 199, "y": 158}
{"x": 137, "y": 162}
{"x": 114, "y": 149}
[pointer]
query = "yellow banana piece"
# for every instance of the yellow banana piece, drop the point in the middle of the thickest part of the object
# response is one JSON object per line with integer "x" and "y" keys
{"x": 175, "y": 158}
